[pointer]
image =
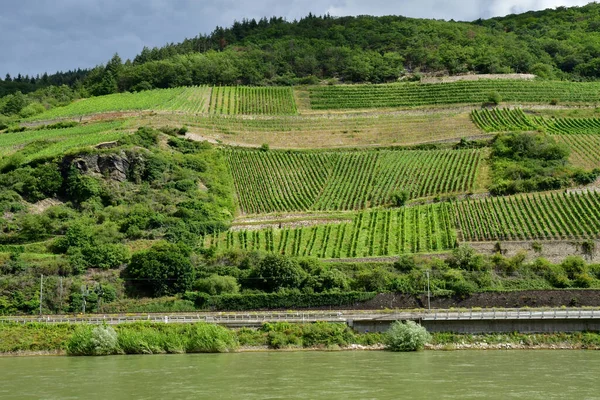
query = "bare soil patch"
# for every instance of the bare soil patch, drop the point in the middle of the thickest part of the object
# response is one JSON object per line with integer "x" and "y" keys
{"x": 474, "y": 77}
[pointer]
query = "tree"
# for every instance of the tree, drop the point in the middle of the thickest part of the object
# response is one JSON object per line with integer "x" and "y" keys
{"x": 163, "y": 270}
{"x": 217, "y": 284}
{"x": 275, "y": 272}
{"x": 15, "y": 103}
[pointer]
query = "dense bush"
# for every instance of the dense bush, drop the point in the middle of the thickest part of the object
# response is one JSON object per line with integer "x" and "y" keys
{"x": 276, "y": 272}
{"x": 93, "y": 341}
{"x": 165, "y": 269}
{"x": 525, "y": 162}
{"x": 262, "y": 301}
{"x": 216, "y": 285}
{"x": 406, "y": 336}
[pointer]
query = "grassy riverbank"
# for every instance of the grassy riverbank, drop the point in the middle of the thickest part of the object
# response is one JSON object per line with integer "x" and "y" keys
{"x": 152, "y": 338}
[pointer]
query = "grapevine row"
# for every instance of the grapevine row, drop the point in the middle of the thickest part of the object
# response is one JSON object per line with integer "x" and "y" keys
{"x": 252, "y": 100}
{"x": 530, "y": 217}
{"x": 347, "y": 180}
{"x": 416, "y": 94}
{"x": 371, "y": 234}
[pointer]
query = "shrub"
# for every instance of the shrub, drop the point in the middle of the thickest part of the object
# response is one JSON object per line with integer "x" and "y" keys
{"x": 258, "y": 301}
{"x": 104, "y": 340}
{"x": 163, "y": 270}
{"x": 405, "y": 264}
{"x": 275, "y": 272}
{"x": 216, "y": 284}
{"x": 93, "y": 341}
{"x": 494, "y": 98}
{"x": 400, "y": 198}
{"x": 145, "y": 339}
{"x": 465, "y": 257}
{"x": 81, "y": 187}
{"x": 209, "y": 338}
{"x": 406, "y": 336}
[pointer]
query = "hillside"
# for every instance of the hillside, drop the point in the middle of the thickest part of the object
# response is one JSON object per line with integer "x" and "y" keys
{"x": 554, "y": 44}
{"x": 330, "y": 191}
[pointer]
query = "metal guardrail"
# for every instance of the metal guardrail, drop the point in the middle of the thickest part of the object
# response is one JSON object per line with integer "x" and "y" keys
{"x": 299, "y": 317}
{"x": 512, "y": 315}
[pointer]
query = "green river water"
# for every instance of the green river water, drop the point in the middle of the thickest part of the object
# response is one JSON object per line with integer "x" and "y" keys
{"x": 516, "y": 374}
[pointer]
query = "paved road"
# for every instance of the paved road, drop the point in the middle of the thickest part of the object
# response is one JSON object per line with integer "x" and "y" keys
{"x": 258, "y": 318}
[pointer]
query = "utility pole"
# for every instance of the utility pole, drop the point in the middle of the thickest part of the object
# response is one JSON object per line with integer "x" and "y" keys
{"x": 83, "y": 296}
{"x": 428, "y": 292}
{"x": 41, "y": 291}
{"x": 60, "y": 295}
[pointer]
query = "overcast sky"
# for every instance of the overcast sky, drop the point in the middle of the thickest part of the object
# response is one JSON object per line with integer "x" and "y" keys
{"x": 52, "y": 35}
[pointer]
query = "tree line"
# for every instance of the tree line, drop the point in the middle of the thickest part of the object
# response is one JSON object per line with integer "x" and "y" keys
{"x": 553, "y": 44}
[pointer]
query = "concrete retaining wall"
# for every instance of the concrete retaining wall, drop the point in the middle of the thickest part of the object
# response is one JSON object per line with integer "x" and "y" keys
{"x": 555, "y": 251}
{"x": 489, "y": 326}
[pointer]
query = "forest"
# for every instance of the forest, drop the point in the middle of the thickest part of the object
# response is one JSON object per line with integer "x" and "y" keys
{"x": 554, "y": 44}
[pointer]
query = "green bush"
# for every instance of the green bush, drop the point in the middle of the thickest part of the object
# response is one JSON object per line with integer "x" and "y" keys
{"x": 261, "y": 301}
{"x": 400, "y": 198}
{"x": 93, "y": 341}
{"x": 216, "y": 284}
{"x": 406, "y": 336}
{"x": 494, "y": 98}
{"x": 209, "y": 338}
{"x": 163, "y": 270}
{"x": 276, "y": 272}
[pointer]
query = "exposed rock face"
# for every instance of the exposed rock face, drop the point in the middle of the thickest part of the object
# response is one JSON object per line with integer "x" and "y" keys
{"x": 114, "y": 166}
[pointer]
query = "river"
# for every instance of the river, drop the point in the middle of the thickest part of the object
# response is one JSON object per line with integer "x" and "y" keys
{"x": 518, "y": 374}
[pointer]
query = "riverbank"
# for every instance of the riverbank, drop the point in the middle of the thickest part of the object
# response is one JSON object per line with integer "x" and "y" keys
{"x": 151, "y": 338}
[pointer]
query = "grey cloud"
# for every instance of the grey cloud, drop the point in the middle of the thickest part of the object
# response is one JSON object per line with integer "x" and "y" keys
{"x": 38, "y": 36}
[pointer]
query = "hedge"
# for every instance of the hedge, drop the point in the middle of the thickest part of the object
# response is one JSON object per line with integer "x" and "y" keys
{"x": 260, "y": 301}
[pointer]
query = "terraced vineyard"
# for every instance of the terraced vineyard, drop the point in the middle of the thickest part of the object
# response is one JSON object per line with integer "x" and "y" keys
{"x": 502, "y": 119}
{"x": 51, "y": 142}
{"x": 252, "y": 100}
{"x": 430, "y": 228}
{"x": 324, "y": 130}
{"x": 350, "y": 180}
{"x": 147, "y": 100}
{"x": 530, "y": 217}
{"x": 427, "y": 228}
{"x": 569, "y": 126}
{"x": 194, "y": 100}
{"x": 584, "y": 149}
{"x": 415, "y": 94}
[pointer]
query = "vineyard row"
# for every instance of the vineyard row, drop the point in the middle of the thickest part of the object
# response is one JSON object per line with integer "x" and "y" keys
{"x": 430, "y": 228}
{"x": 353, "y": 180}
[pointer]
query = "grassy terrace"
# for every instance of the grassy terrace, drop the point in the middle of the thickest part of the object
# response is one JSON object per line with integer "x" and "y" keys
{"x": 476, "y": 92}
{"x": 427, "y": 228}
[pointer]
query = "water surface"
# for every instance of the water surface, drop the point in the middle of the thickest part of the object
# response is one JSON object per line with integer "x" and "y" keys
{"x": 308, "y": 375}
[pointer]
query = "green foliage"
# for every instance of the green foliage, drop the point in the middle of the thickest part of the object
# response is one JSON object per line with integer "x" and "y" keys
{"x": 209, "y": 338}
{"x": 93, "y": 341}
{"x": 164, "y": 269}
{"x": 347, "y": 180}
{"x": 266, "y": 301}
{"x": 466, "y": 258}
{"x": 461, "y": 92}
{"x": 275, "y": 272}
{"x": 81, "y": 187}
{"x": 524, "y": 162}
{"x": 217, "y": 284}
{"x": 406, "y": 336}
{"x": 494, "y": 98}
{"x": 400, "y": 198}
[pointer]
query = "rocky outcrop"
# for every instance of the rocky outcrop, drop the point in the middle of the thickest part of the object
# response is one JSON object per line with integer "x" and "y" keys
{"x": 115, "y": 166}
